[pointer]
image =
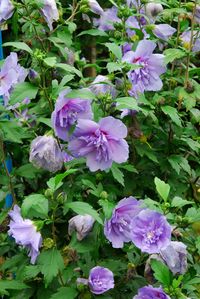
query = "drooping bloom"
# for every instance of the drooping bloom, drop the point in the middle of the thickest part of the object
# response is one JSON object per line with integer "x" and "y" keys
{"x": 186, "y": 39}
{"x": 25, "y": 233}
{"x": 151, "y": 231}
{"x": 119, "y": 228}
{"x": 50, "y": 12}
{"x": 100, "y": 280}
{"x": 107, "y": 19}
{"x": 11, "y": 73}
{"x": 175, "y": 256}
{"x": 95, "y": 7}
{"x": 153, "y": 9}
{"x": 66, "y": 113}
{"x": 101, "y": 86}
{"x": 101, "y": 143}
{"x": 151, "y": 66}
{"x": 82, "y": 224}
{"x": 6, "y": 10}
{"x": 164, "y": 31}
{"x": 150, "y": 292}
{"x": 45, "y": 153}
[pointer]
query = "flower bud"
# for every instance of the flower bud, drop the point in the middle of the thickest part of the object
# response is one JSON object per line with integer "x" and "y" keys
{"x": 153, "y": 9}
{"x": 82, "y": 224}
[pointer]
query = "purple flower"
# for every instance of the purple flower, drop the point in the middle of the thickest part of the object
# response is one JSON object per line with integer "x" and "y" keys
{"x": 11, "y": 73}
{"x": 151, "y": 231}
{"x": 100, "y": 143}
{"x": 99, "y": 88}
{"x": 186, "y": 37}
{"x": 153, "y": 9}
{"x": 135, "y": 3}
{"x": 45, "y": 153}
{"x": 175, "y": 256}
{"x": 164, "y": 31}
{"x": 25, "y": 233}
{"x": 66, "y": 113}
{"x": 151, "y": 66}
{"x": 126, "y": 48}
{"x": 131, "y": 24}
{"x": 107, "y": 19}
{"x": 119, "y": 228}
{"x": 95, "y": 7}
{"x": 50, "y": 12}
{"x": 82, "y": 224}
{"x": 100, "y": 280}
{"x": 197, "y": 14}
{"x": 151, "y": 293}
{"x": 6, "y": 10}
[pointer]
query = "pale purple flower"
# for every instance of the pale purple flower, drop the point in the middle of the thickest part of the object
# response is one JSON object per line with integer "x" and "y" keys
{"x": 25, "y": 233}
{"x": 101, "y": 143}
{"x": 151, "y": 231}
{"x": 131, "y": 24}
{"x": 45, "y": 153}
{"x": 186, "y": 37}
{"x": 197, "y": 14}
{"x": 126, "y": 48}
{"x": 164, "y": 31}
{"x": 95, "y": 7}
{"x": 119, "y": 228}
{"x": 175, "y": 256}
{"x": 82, "y": 224}
{"x": 150, "y": 292}
{"x": 135, "y": 3}
{"x": 6, "y": 10}
{"x": 50, "y": 12}
{"x": 66, "y": 113}
{"x": 99, "y": 88}
{"x": 11, "y": 73}
{"x": 151, "y": 66}
{"x": 107, "y": 19}
{"x": 100, "y": 280}
{"x": 153, "y": 9}
{"x": 66, "y": 157}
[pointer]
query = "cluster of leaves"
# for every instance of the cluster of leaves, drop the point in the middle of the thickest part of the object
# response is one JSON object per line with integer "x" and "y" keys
{"x": 163, "y": 167}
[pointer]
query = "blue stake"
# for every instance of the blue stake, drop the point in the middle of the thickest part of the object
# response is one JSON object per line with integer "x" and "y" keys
{"x": 9, "y": 199}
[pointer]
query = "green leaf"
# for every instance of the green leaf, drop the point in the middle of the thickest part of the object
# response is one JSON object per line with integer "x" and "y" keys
{"x": 162, "y": 188}
{"x": 23, "y": 90}
{"x": 107, "y": 207}
{"x": 56, "y": 182}
{"x": 50, "y": 61}
{"x": 115, "y": 49}
{"x": 83, "y": 93}
{"x": 65, "y": 293}
{"x": 178, "y": 163}
{"x": 50, "y": 263}
{"x": 19, "y": 45}
{"x": 31, "y": 272}
{"x": 117, "y": 174}
{"x": 93, "y": 32}
{"x": 161, "y": 273}
{"x": 127, "y": 103}
{"x": 178, "y": 202}
{"x": 84, "y": 208}
{"x": 27, "y": 171}
{"x": 173, "y": 114}
{"x": 11, "y": 285}
{"x": 35, "y": 205}
{"x": 173, "y": 54}
{"x": 193, "y": 214}
{"x": 113, "y": 67}
{"x": 3, "y": 215}
{"x": 69, "y": 69}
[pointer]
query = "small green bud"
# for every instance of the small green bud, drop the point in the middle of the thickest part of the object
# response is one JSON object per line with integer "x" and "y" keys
{"x": 48, "y": 193}
{"x": 48, "y": 243}
{"x": 104, "y": 195}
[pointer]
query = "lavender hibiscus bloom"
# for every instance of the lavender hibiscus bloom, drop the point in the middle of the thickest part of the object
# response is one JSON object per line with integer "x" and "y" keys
{"x": 119, "y": 228}
{"x": 151, "y": 293}
{"x": 186, "y": 38}
{"x": 6, "y": 10}
{"x": 175, "y": 256}
{"x": 66, "y": 113}
{"x": 25, "y": 233}
{"x": 99, "y": 88}
{"x": 151, "y": 66}
{"x": 50, "y": 12}
{"x": 164, "y": 31}
{"x": 107, "y": 19}
{"x": 82, "y": 224}
{"x": 151, "y": 231}
{"x": 131, "y": 24}
{"x": 100, "y": 280}
{"x": 45, "y": 153}
{"x": 95, "y": 7}
{"x": 100, "y": 143}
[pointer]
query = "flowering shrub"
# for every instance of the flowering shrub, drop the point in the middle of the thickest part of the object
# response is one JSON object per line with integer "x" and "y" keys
{"x": 100, "y": 119}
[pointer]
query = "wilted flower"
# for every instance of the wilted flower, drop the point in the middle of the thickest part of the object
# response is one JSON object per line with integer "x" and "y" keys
{"x": 186, "y": 39}
{"x": 100, "y": 280}
{"x": 119, "y": 228}
{"x": 151, "y": 231}
{"x": 151, "y": 66}
{"x": 25, "y": 233}
{"x": 151, "y": 293}
{"x": 153, "y": 9}
{"x": 11, "y": 73}
{"x": 100, "y": 143}
{"x": 82, "y": 224}
{"x": 45, "y": 153}
{"x": 175, "y": 256}
{"x": 95, "y": 7}
{"x": 6, "y": 10}
{"x": 99, "y": 88}
{"x": 50, "y": 12}
{"x": 107, "y": 19}
{"x": 163, "y": 31}
{"x": 66, "y": 113}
